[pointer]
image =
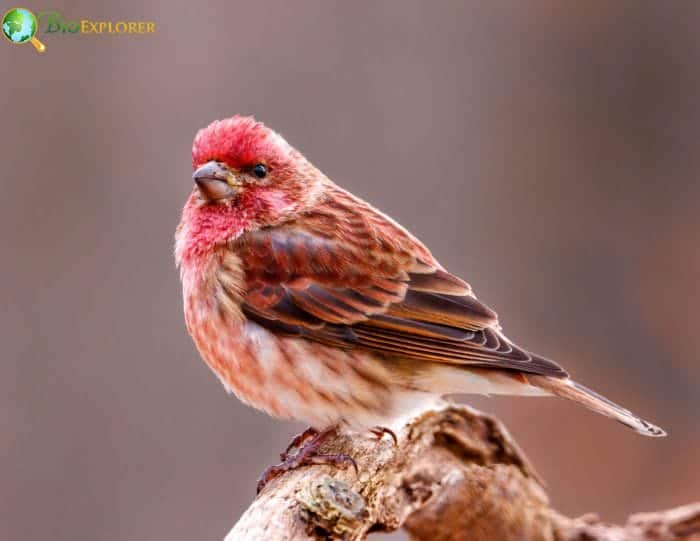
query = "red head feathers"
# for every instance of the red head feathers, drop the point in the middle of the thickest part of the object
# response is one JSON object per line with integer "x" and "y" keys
{"x": 240, "y": 142}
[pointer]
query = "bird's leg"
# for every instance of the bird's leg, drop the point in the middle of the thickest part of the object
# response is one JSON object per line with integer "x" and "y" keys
{"x": 298, "y": 440}
{"x": 308, "y": 446}
{"x": 379, "y": 432}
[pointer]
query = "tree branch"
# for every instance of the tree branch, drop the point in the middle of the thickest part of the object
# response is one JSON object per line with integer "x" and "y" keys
{"x": 455, "y": 474}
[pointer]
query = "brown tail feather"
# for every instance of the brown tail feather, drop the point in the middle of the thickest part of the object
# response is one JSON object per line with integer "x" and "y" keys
{"x": 567, "y": 388}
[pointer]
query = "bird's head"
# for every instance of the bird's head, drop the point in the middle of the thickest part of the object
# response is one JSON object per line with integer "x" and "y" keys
{"x": 246, "y": 177}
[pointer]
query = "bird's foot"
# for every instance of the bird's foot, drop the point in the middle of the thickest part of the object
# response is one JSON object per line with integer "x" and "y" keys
{"x": 379, "y": 432}
{"x": 307, "y": 445}
{"x": 298, "y": 442}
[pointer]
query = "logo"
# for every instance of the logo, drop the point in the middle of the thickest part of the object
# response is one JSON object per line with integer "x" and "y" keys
{"x": 20, "y": 25}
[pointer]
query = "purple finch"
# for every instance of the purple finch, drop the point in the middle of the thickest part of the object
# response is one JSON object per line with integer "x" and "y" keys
{"x": 310, "y": 304}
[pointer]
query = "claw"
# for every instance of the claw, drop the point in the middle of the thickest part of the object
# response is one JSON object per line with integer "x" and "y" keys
{"x": 299, "y": 440}
{"x": 379, "y": 432}
{"x": 270, "y": 473}
{"x": 339, "y": 460}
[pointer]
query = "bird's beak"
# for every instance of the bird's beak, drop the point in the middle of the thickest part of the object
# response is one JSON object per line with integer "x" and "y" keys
{"x": 216, "y": 181}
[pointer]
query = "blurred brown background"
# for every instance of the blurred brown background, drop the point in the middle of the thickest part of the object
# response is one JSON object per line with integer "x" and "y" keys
{"x": 547, "y": 153}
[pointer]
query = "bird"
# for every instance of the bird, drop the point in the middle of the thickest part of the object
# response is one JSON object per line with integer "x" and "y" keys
{"x": 310, "y": 304}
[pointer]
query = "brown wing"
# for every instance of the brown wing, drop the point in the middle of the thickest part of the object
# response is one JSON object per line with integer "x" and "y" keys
{"x": 348, "y": 276}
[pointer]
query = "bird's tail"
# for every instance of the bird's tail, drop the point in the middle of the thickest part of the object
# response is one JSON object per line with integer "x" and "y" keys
{"x": 567, "y": 388}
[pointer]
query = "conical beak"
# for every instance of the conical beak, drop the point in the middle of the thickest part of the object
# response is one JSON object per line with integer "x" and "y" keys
{"x": 215, "y": 181}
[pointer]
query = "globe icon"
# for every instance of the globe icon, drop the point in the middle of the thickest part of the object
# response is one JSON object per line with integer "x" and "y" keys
{"x": 19, "y": 26}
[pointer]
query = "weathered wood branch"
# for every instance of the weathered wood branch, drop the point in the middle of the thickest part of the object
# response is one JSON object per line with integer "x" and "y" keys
{"x": 456, "y": 474}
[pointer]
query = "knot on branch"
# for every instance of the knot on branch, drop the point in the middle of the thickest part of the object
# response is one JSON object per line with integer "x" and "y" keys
{"x": 331, "y": 508}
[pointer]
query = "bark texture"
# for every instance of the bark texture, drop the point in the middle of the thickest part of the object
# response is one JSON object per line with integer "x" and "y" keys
{"x": 456, "y": 474}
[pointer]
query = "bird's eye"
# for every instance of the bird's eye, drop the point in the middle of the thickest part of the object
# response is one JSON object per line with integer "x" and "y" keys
{"x": 260, "y": 170}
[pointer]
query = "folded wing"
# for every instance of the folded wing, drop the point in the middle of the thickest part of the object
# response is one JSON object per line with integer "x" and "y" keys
{"x": 347, "y": 276}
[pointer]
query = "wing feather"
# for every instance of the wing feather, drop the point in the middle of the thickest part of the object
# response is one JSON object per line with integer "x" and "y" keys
{"x": 347, "y": 276}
